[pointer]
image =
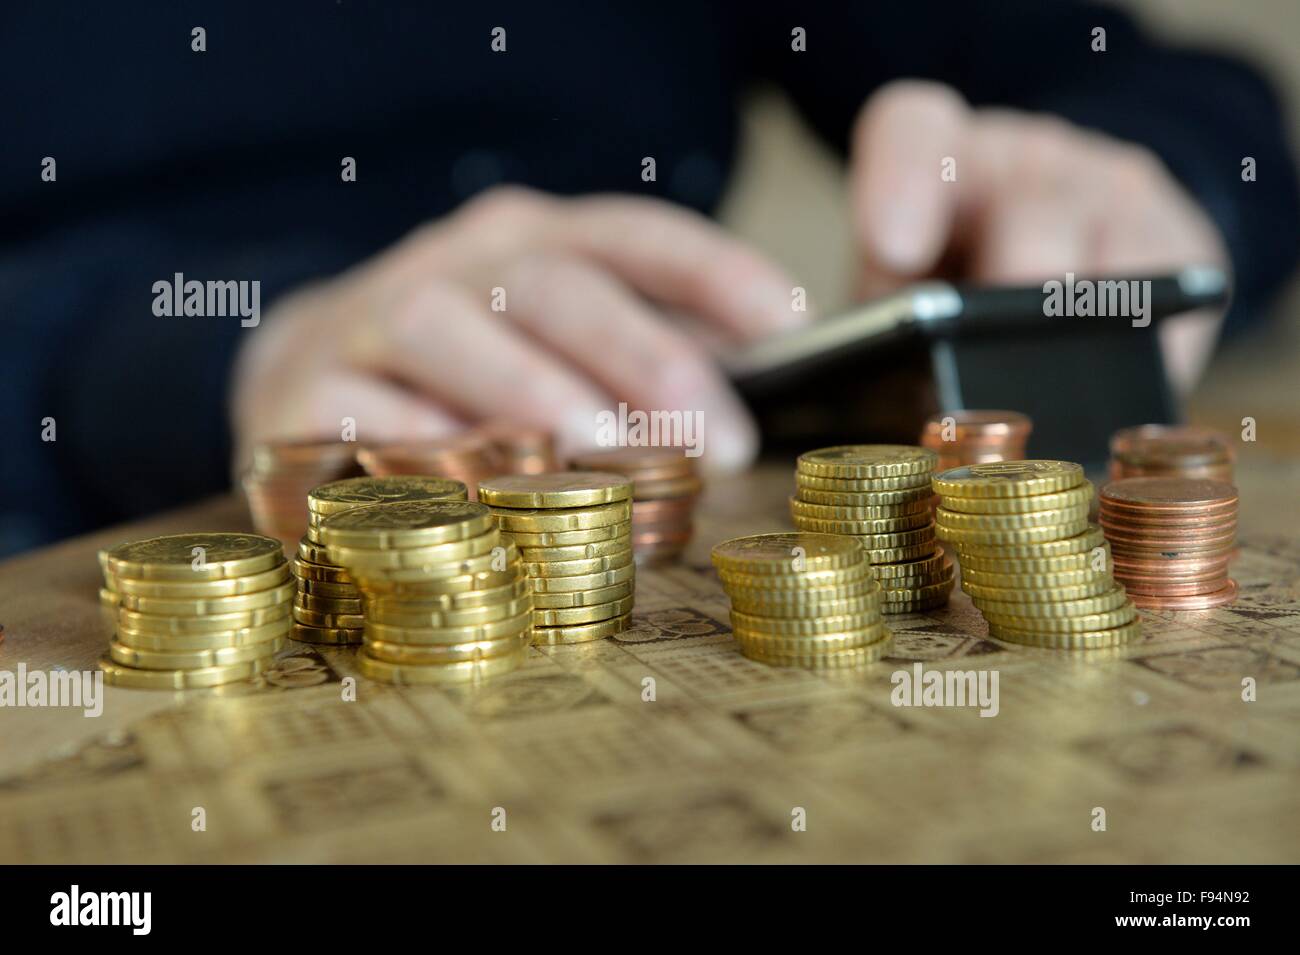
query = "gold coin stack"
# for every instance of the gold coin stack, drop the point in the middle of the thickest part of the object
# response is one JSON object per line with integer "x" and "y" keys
{"x": 194, "y": 610}
{"x": 1030, "y": 561}
{"x": 446, "y": 599}
{"x": 573, "y": 531}
{"x": 327, "y": 608}
{"x": 879, "y": 494}
{"x": 803, "y": 600}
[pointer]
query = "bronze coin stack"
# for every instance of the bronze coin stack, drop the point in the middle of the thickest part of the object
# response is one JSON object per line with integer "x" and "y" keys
{"x": 521, "y": 449}
{"x": 468, "y": 457}
{"x": 281, "y": 474}
{"x": 1171, "y": 540}
{"x": 327, "y": 608}
{"x": 665, "y": 489}
{"x": 1157, "y": 450}
{"x": 976, "y": 437}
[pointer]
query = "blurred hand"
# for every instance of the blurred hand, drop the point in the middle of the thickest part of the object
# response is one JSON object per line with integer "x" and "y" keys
{"x": 408, "y": 344}
{"x": 1034, "y": 197}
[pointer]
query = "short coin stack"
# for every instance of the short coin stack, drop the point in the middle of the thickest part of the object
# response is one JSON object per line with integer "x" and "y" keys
{"x": 195, "y": 610}
{"x": 1030, "y": 561}
{"x": 665, "y": 488}
{"x": 573, "y": 531}
{"x": 465, "y": 457}
{"x": 803, "y": 600}
{"x": 1158, "y": 450}
{"x": 879, "y": 494}
{"x": 327, "y": 608}
{"x": 282, "y": 473}
{"x": 1172, "y": 539}
{"x": 974, "y": 437}
{"x": 446, "y": 600}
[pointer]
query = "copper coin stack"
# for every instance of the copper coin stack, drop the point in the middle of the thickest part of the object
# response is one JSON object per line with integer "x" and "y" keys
{"x": 1157, "y": 450}
{"x": 521, "y": 449}
{"x": 282, "y": 473}
{"x": 468, "y": 457}
{"x": 665, "y": 489}
{"x": 1171, "y": 539}
{"x": 976, "y": 437}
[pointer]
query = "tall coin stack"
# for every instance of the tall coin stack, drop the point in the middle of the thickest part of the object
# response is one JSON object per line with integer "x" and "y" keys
{"x": 195, "y": 610}
{"x": 1030, "y": 561}
{"x": 803, "y": 600}
{"x": 879, "y": 494}
{"x": 1157, "y": 450}
{"x": 446, "y": 600}
{"x": 665, "y": 489}
{"x": 1172, "y": 539}
{"x": 327, "y": 608}
{"x": 281, "y": 474}
{"x": 573, "y": 531}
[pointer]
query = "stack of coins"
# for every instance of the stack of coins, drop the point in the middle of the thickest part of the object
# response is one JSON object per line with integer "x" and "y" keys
{"x": 521, "y": 449}
{"x": 878, "y": 494}
{"x": 573, "y": 531}
{"x": 803, "y": 600}
{"x": 1172, "y": 539}
{"x": 195, "y": 610}
{"x": 665, "y": 489}
{"x": 446, "y": 600}
{"x": 1157, "y": 450}
{"x": 282, "y": 473}
{"x": 1030, "y": 561}
{"x": 468, "y": 457}
{"x": 327, "y": 608}
{"x": 976, "y": 437}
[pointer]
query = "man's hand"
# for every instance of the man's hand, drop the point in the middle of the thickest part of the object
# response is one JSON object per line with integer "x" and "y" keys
{"x": 1034, "y": 198}
{"x": 409, "y": 345}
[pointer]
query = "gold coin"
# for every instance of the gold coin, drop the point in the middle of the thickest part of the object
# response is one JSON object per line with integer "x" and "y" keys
{"x": 914, "y": 606}
{"x": 226, "y": 586}
{"x": 910, "y": 594}
{"x": 1008, "y": 479}
{"x": 567, "y": 538}
{"x": 126, "y": 656}
{"x": 604, "y": 578}
{"x": 784, "y": 626}
{"x": 1035, "y": 550}
{"x": 1042, "y": 595}
{"x": 1062, "y": 578}
{"x": 405, "y": 524}
{"x": 933, "y": 562}
{"x": 889, "y": 541}
{"x": 247, "y": 636}
{"x": 1010, "y": 613}
{"x": 117, "y": 675}
{"x": 468, "y": 671}
{"x": 576, "y": 568}
{"x": 883, "y": 485}
{"x": 407, "y": 614}
{"x": 583, "y": 598}
{"x": 551, "y": 520}
{"x": 377, "y": 559}
{"x": 1093, "y": 639}
{"x": 904, "y": 497}
{"x": 420, "y": 635}
{"x": 956, "y": 520}
{"x": 332, "y": 573}
{"x": 434, "y": 576}
{"x": 328, "y": 621}
{"x": 313, "y": 553}
{"x": 832, "y": 660}
{"x": 809, "y": 644}
{"x": 439, "y": 653}
{"x": 943, "y": 574}
{"x": 615, "y": 545}
{"x": 894, "y": 555}
{"x": 580, "y": 632}
{"x": 1080, "y": 496}
{"x": 567, "y": 616}
{"x": 325, "y": 637}
{"x": 1025, "y": 535}
{"x": 556, "y": 489}
{"x": 202, "y": 606}
{"x": 328, "y": 604}
{"x": 108, "y": 598}
{"x": 794, "y": 596}
{"x": 859, "y": 461}
{"x": 1040, "y": 565}
{"x": 807, "y": 580}
{"x": 786, "y": 553}
{"x": 338, "y": 496}
{"x": 328, "y": 590}
{"x": 826, "y": 512}
{"x": 876, "y": 526}
{"x": 812, "y": 609}
{"x": 191, "y": 557}
{"x": 435, "y": 597}
{"x": 146, "y": 623}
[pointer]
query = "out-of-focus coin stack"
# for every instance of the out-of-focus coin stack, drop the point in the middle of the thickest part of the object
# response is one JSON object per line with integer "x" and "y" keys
{"x": 521, "y": 449}
{"x": 665, "y": 489}
{"x": 1030, "y": 561}
{"x": 281, "y": 474}
{"x": 976, "y": 437}
{"x": 327, "y": 608}
{"x": 468, "y": 457}
{"x": 1172, "y": 539}
{"x": 446, "y": 599}
{"x": 573, "y": 531}
{"x": 878, "y": 494}
{"x": 803, "y": 600}
{"x": 195, "y": 610}
{"x": 1157, "y": 450}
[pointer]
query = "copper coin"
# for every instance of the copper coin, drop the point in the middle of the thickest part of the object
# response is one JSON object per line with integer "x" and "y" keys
{"x": 1155, "y": 525}
{"x": 643, "y": 490}
{"x": 1190, "y": 445}
{"x": 1162, "y": 493}
{"x": 667, "y": 509}
{"x": 1225, "y": 595}
{"x": 1174, "y": 571}
{"x": 1169, "y": 535}
{"x": 1147, "y": 589}
{"x": 983, "y": 424}
{"x": 522, "y": 449}
{"x": 643, "y": 539}
{"x": 639, "y": 464}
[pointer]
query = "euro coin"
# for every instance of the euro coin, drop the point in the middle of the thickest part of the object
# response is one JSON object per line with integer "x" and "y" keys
{"x": 567, "y": 616}
{"x": 468, "y": 671}
{"x": 322, "y": 572}
{"x": 1206, "y": 600}
{"x": 597, "y": 549}
{"x": 909, "y": 498}
{"x": 371, "y": 559}
{"x": 566, "y": 538}
{"x": 786, "y": 553}
{"x": 327, "y": 589}
{"x": 1044, "y": 595}
{"x": 811, "y": 609}
{"x": 127, "y": 656}
{"x": 117, "y": 675}
{"x": 416, "y": 594}
{"x": 1097, "y": 559}
{"x": 825, "y": 512}
{"x": 582, "y": 598}
{"x": 905, "y": 482}
{"x": 312, "y": 553}
{"x": 147, "y": 623}
{"x": 226, "y": 586}
{"x": 1108, "y": 600}
{"x": 338, "y": 496}
{"x": 191, "y": 557}
{"x": 440, "y": 653}
{"x": 551, "y": 520}
{"x": 893, "y": 555}
{"x": 808, "y": 644}
{"x": 956, "y": 520}
{"x": 604, "y": 578}
{"x": 859, "y": 461}
{"x": 1063, "y": 578}
{"x": 1082, "y": 542}
{"x": 324, "y": 636}
{"x": 1027, "y": 535}
{"x": 1080, "y": 496}
{"x": 578, "y": 568}
{"x": 935, "y": 561}
{"x": 1093, "y": 639}
{"x": 329, "y": 621}
{"x": 328, "y": 604}
{"x": 797, "y": 581}
{"x": 1008, "y": 479}
{"x": 888, "y": 532}
{"x": 202, "y": 606}
{"x": 406, "y": 524}
{"x": 243, "y": 637}
{"x": 784, "y": 626}
{"x": 832, "y": 660}
{"x": 419, "y": 635}
{"x": 1105, "y": 620}
{"x": 581, "y": 632}
{"x": 557, "y": 489}
{"x": 807, "y": 595}
{"x": 423, "y": 615}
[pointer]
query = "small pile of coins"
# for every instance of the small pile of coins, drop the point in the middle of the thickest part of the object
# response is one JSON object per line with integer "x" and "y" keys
{"x": 281, "y": 474}
{"x": 466, "y": 457}
{"x": 878, "y": 494}
{"x": 1172, "y": 539}
{"x": 1030, "y": 560}
{"x": 573, "y": 532}
{"x": 327, "y": 608}
{"x": 446, "y": 600}
{"x": 665, "y": 489}
{"x": 976, "y": 437}
{"x": 803, "y": 600}
{"x": 1157, "y": 450}
{"x": 194, "y": 610}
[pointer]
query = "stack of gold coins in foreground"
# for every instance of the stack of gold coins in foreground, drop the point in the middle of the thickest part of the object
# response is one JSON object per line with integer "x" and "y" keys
{"x": 446, "y": 600}
{"x": 573, "y": 531}
{"x": 1172, "y": 539}
{"x": 803, "y": 600}
{"x": 195, "y": 610}
{"x": 879, "y": 494}
{"x": 327, "y": 608}
{"x": 1158, "y": 450}
{"x": 665, "y": 488}
{"x": 1030, "y": 561}
{"x": 281, "y": 474}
